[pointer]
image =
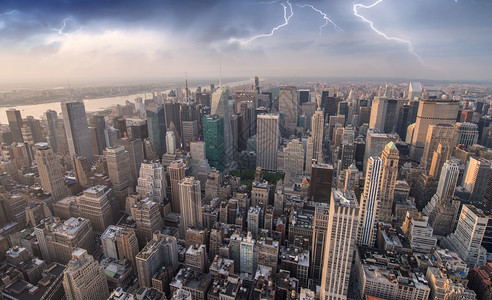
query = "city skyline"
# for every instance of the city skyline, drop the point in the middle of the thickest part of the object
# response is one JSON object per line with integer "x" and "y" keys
{"x": 413, "y": 39}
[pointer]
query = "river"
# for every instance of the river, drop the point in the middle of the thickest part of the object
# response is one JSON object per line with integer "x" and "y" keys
{"x": 91, "y": 105}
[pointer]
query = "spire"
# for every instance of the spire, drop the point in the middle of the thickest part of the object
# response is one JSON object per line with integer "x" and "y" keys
{"x": 186, "y": 87}
{"x": 220, "y": 68}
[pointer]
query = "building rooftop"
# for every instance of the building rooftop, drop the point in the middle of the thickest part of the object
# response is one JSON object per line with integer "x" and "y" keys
{"x": 191, "y": 279}
{"x": 21, "y": 289}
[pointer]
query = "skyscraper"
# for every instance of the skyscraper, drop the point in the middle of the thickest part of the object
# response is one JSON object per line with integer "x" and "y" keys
{"x": 50, "y": 172}
{"x": 120, "y": 243}
{"x": 52, "y": 121}
{"x": 438, "y": 134}
{"x": 289, "y": 106}
{"x": 58, "y": 239}
{"x": 466, "y": 133}
{"x": 15, "y": 124}
{"x": 476, "y": 177}
{"x": 95, "y": 205}
{"x": 320, "y": 227}
{"x": 220, "y": 107}
{"x": 170, "y": 142}
{"x": 442, "y": 209}
{"x": 267, "y": 141}
{"x": 430, "y": 111}
{"x": 119, "y": 171}
{"x": 378, "y": 113}
{"x": 77, "y": 129}
{"x": 370, "y": 202}
{"x": 340, "y": 244}
{"x": 414, "y": 90}
{"x": 97, "y": 124}
{"x": 135, "y": 150}
{"x": 318, "y": 124}
{"x": 321, "y": 182}
{"x": 156, "y": 123}
{"x": 176, "y": 172}
{"x": 468, "y": 236}
{"x": 376, "y": 141}
{"x": 389, "y": 174}
{"x": 213, "y": 134}
{"x": 148, "y": 219}
{"x": 161, "y": 250}
{"x": 191, "y": 203}
{"x": 84, "y": 278}
{"x": 152, "y": 181}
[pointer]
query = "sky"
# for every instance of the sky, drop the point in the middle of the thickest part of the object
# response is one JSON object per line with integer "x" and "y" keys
{"x": 128, "y": 39}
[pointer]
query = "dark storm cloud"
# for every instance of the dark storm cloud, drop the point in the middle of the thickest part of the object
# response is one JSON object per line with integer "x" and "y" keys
{"x": 201, "y": 28}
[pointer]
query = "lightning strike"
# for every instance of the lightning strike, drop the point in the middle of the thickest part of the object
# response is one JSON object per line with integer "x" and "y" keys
{"x": 60, "y": 30}
{"x": 325, "y": 17}
{"x": 379, "y": 32}
{"x": 288, "y": 13}
{"x": 9, "y": 12}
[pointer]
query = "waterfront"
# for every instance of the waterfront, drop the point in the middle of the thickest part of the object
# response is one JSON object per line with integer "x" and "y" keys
{"x": 91, "y": 105}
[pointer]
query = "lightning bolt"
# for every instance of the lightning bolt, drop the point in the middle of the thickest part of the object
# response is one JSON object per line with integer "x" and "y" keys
{"x": 379, "y": 32}
{"x": 288, "y": 13}
{"x": 327, "y": 19}
{"x": 60, "y": 30}
{"x": 9, "y": 12}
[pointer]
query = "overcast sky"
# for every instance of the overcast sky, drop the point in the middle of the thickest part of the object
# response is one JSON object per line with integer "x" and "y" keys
{"x": 447, "y": 39}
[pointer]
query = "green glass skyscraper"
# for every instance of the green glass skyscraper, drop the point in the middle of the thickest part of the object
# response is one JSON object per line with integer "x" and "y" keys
{"x": 213, "y": 134}
{"x": 156, "y": 123}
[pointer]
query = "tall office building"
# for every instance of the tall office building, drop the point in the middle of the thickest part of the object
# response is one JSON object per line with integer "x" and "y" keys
{"x": 170, "y": 142}
{"x": 77, "y": 129}
{"x": 476, "y": 178}
{"x": 152, "y": 181}
{"x": 220, "y": 107}
{"x": 156, "y": 123}
{"x": 58, "y": 239}
{"x": 291, "y": 158}
{"x": 288, "y": 105}
{"x": 389, "y": 174}
{"x": 378, "y": 113}
{"x": 442, "y": 209}
{"x": 267, "y": 141}
{"x": 119, "y": 171}
{"x": 414, "y": 90}
{"x": 52, "y": 122}
{"x": 97, "y": 124}
{"x": 468, "y": 236}
{"x": 62, "y": 142}
{"x": 321, "y": 182}
{"x": 340, "y": 244}
{"x": 466, "y": 133}
{"x": 82, "y": 170}
{"x": 370, "y": 203}
{"x": 213, "y": 134}
{"x": 248, "y": 256}
{"x": 50, "y": 172}
{"x": 95, "y": 205}
{"x": 317, "y": 126}
{"x": 162, "y": 250}
{"x": 320, "y": 227}
{"x": 120, "y": 243}
{"x": 443, "y": 134}
{"x": 84, "y": 278}
{"x": 135, "y": 150}
{"x": 15, "y": 124}
{"x": 190, "y": 202}
{"x": 148, "y": 219}
{"x": 376, "y": 141}
{"x": 176, "y": 172}
{"x": 430, "y": 111}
